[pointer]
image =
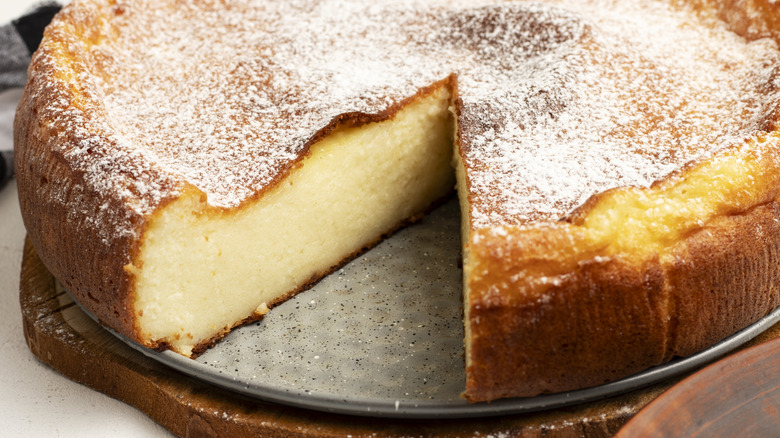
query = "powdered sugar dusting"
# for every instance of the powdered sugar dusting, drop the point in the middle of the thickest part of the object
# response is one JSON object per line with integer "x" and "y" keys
{"x": 636, "y": 92}
{"x": 559, "y": 102}
{"x": 232, "y": 110}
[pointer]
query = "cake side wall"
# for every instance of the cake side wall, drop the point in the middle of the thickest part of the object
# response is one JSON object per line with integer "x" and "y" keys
{"x": 84, "y": 224}
{"x": 566, "y": 305}
{"x": 58, "y": 209}
{"x": 600, "y": 322}
{"x": 610, "y": 319}
{"x": 726, "y": 276}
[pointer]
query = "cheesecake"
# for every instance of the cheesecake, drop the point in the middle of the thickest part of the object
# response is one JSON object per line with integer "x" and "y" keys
{"x": 185, "y": 166}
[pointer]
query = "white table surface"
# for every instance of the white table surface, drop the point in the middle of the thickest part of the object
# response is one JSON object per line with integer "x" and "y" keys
{"x": 36, "y": 401}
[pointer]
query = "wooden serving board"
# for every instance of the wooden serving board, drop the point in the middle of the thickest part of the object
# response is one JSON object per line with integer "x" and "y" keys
{"x": 65, "y": 338}
{"x": 736, "y": 396}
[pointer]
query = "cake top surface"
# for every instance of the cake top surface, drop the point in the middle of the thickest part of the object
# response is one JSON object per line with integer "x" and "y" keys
{"x": 558, "y": 101}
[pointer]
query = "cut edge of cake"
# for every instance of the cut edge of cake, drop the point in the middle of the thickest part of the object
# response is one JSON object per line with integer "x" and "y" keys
{"x": 200, "y": 270}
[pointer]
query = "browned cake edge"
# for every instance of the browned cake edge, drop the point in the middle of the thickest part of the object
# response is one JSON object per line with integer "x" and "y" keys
{"x": 610, "y": 317}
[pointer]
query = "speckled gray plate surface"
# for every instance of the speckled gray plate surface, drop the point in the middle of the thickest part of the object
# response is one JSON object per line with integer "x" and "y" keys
{"x": 383, "y": 336}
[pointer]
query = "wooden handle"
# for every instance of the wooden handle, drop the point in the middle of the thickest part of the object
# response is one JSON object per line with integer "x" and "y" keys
{"x": 736, "y": 396}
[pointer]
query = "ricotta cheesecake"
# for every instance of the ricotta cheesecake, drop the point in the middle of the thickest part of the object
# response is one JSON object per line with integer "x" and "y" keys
{"x": 184, "y": 166}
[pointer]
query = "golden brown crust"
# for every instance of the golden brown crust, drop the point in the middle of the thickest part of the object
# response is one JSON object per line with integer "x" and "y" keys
{"x": 601, "y": 321}
{"x": 609, "y": 318}
{"x": 48, "y": 186}
{"x": 725, "y": 277}
{"x": 60, "y": 209}
{"x": 751, "y": 19}
{"x": 75, "y": 253}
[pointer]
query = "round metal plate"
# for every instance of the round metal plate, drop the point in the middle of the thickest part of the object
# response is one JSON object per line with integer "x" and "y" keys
{"x": 383, "y": 336}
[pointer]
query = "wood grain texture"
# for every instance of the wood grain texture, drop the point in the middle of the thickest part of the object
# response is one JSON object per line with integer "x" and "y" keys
{"x": 736, "y": 396}
{"x": 62, "y": 336}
